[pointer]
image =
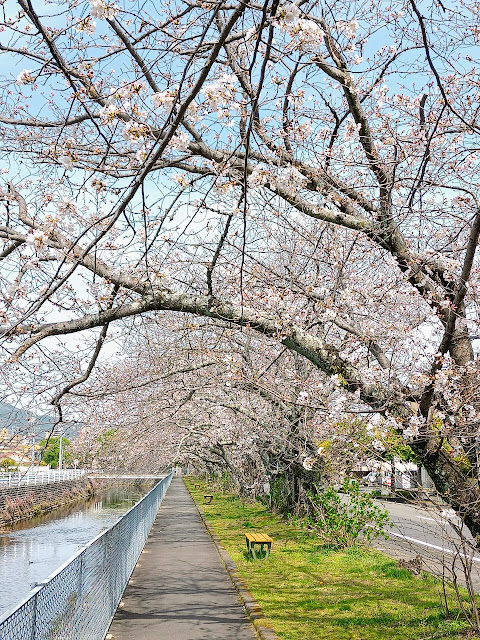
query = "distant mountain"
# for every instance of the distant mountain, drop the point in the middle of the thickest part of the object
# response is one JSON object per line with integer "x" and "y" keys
{"x": 21, "y": 421}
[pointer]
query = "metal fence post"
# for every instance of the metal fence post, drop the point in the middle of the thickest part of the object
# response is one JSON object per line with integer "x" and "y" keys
{"x": 34, "y": 622}
{"x": 79, "y": 608}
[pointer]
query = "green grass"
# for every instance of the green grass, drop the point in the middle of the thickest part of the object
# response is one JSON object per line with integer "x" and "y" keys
{"x": 309, "y": 592}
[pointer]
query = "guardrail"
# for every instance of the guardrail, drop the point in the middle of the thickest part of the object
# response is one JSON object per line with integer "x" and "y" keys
{"x": 19, "y": 479}
{"x": 79, "y": 600}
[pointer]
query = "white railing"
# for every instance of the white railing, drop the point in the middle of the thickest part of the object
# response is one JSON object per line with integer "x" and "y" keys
{"x": 33, "y": 477}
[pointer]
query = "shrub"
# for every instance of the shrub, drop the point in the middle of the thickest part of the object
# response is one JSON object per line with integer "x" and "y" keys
{"x": 341, "y": 519}
{"x": 7, "y": 464}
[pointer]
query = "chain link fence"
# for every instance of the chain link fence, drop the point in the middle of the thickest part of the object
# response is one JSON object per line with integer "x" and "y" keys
{"x": 79, "y": 600}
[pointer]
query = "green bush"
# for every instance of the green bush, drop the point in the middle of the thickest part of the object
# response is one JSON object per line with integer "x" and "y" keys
{"x": 51, "y": 451}
{"x": 340, "y": 520}
{"x": 7, "y": 464}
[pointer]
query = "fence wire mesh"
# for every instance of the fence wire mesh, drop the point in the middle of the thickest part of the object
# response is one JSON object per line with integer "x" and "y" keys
{"x": 79, "y": 600}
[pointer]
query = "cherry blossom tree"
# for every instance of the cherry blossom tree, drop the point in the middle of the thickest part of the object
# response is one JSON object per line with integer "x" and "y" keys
{"x": 307, "y": 172}
{"x": 211, "y": 401}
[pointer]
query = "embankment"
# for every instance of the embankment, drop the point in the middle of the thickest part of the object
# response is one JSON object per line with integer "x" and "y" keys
{"x": 21, "y": 503}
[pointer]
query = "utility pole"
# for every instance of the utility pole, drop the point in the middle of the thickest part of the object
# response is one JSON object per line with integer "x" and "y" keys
{"x": 60, "y": 450}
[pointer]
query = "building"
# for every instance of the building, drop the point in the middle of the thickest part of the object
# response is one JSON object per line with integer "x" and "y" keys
{"x": 396, "y": 474}
{"x": 18, "y": 447}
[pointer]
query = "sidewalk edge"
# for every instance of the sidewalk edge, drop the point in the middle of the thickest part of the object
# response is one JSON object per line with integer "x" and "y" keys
{"x": 254, "y": 612}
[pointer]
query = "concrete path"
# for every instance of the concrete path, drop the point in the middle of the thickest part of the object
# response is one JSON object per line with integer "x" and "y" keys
{"x": 179, "y": 589}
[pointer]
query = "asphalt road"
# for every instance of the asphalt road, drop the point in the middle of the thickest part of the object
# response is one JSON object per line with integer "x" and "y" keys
{"x": 436, "y": 534}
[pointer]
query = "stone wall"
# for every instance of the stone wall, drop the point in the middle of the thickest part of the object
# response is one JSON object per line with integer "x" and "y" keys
{"x": 20, "y": 503}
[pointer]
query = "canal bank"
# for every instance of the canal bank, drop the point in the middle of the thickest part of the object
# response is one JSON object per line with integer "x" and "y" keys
{"x": 25, "y": 502}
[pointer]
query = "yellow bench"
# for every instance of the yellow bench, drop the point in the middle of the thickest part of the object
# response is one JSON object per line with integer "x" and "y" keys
{"x": 262, "y": 539}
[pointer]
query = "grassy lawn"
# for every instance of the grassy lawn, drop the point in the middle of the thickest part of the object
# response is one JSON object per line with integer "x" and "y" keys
{"x": 308, "y": 592}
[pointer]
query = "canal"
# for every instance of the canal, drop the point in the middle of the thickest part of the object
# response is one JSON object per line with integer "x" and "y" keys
{"x": 30, "y": 551}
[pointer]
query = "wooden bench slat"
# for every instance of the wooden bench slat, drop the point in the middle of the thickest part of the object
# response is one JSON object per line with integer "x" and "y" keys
{"x": 265, "y": 537}
{"x": 258, "y": 537}
{"x": 255, "y": 537}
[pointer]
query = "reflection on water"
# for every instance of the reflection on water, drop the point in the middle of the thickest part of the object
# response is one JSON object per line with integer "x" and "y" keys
{"x": 31, "y": 551}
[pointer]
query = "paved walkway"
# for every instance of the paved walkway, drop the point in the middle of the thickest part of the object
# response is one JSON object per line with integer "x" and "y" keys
{"x": 179, "y": 589}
